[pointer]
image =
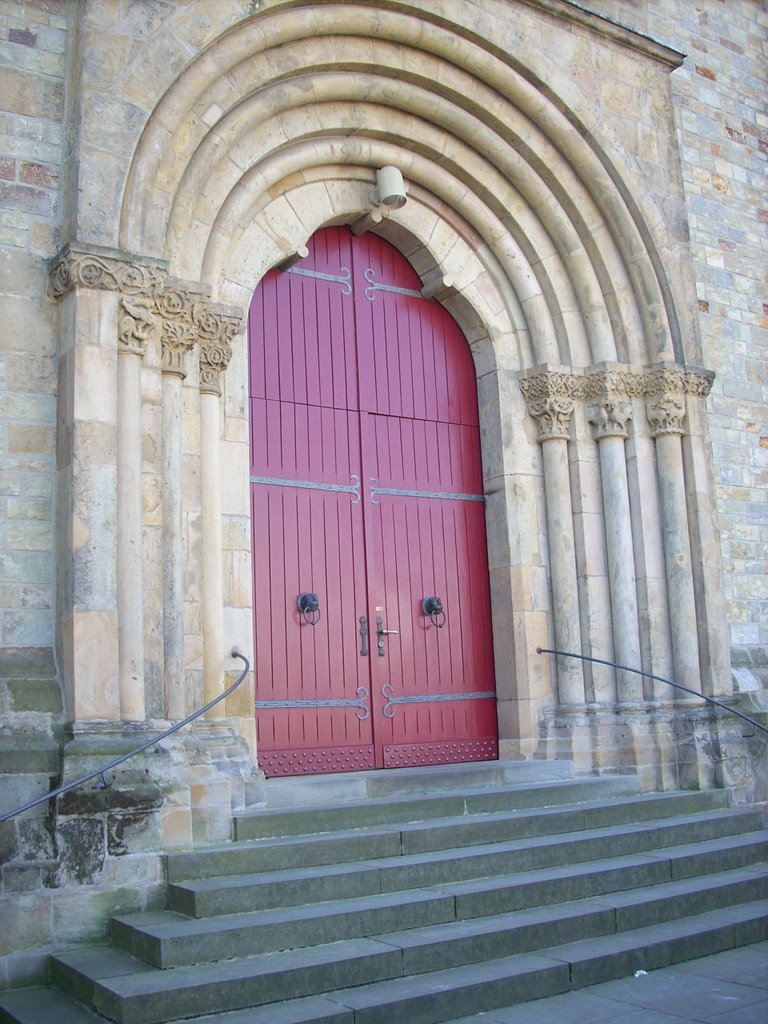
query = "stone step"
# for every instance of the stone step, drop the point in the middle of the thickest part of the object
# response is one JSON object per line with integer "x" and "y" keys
{"x": 165, "y": 939}
{"x": 43, "y": 1006}
{"x": 443, "y": 996}
{"x": 448, "y": 831}
{"x": 376, "y": 975}
{"x": 265, "y": 823}
{"x": 293, "y": 887}
{"x": 376, "y": 785}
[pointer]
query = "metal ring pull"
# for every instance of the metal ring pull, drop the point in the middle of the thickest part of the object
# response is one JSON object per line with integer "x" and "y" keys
{"x": 309, "y": 607}
{"x": 433, "y": 609}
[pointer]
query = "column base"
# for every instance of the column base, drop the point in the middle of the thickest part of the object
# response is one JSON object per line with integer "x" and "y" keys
{"x": 669, "y": 745}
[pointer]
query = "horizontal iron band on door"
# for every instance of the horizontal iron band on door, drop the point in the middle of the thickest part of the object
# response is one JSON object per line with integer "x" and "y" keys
{"x": 375, "y": 286}
{"x": 429, "y": 698}
{"x": 344, "y": 279}
{"x": 408, "y": 493}
{"x": 337, "y": 702}
{"x": 311, "y": 485}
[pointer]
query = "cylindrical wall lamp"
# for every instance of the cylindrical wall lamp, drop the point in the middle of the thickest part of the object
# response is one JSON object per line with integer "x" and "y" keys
{"x": 390, "y": 190}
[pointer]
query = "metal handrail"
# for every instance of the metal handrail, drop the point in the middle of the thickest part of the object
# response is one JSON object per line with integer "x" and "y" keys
{"x": 661, "y": 679}
{"x": 144, "y": 746}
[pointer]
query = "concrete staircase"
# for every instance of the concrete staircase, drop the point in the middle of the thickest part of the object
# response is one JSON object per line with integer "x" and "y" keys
{"x": 448, "y": 892}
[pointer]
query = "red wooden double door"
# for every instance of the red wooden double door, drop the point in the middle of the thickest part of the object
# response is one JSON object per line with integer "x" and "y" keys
{"x": 367, "y": 499}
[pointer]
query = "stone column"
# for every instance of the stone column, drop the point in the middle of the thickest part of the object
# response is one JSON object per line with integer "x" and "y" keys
{"x": 548, "y": 396}
{"x": 216, "y": 330}
{"x": 177, "y": 307}
{"x": 100, "y": 479}
{"x": 665, "y": 407}
{"x": 711, "y": 613}
{"x": 609, "y": 418}
{"x": 136, "y": 322}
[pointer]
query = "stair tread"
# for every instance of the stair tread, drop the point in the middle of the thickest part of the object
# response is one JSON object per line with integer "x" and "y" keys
{"x": 126, "y": 976}
{"x": 440, "y": 986}
{"x": 565, "y": 954}
{"x": 452, "y": 820}
{"x": 664, "y": 930}
{"x": 33, "y": 1005}
{"x": 198, "y": 975}
{"x": 170, "y": 924}
{"x": 549, "y": 788}
{"x": 529, "y": 842}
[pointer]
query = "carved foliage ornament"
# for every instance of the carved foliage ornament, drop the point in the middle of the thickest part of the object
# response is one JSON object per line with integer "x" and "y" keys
{"x": 216, "y": 331}
{"x": 664, "y": 389}
{"x": 107, "y": 273}
{"x": 178, "y": 309}
{"x": 148, "y": 296}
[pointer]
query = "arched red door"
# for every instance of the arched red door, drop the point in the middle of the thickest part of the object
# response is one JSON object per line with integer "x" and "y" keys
{"x": 367, "y": 495}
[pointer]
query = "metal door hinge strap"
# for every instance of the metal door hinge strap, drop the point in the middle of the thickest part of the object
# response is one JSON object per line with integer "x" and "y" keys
{"x": 375, "y": 286}
{"x": 408, "y": 493}
{"x": 344, "y": 279}
{"x": 360, "y": 704}
{"x": 429, "y": 698}
{"x": 311, "y": 485}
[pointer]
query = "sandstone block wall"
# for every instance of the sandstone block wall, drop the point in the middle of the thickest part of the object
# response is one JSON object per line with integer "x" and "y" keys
{"x": 723, "y": 138}
{"x": 722, "y": 117}
{"x": 33, "y": 38}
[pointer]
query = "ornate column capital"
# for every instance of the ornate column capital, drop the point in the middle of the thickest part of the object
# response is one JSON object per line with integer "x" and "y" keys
{"x": 609, "y": 418}
{"x": 217, "y": 326}
{"x": 665, "y": 414}
{"x": 609, "y": 387}
{"x": 135, "y": 322}
{"x": 106, "y": 270}
{"x": 179, "y": 306}
{"x": 549, "y": 395}
{"x": 666, "y": 388}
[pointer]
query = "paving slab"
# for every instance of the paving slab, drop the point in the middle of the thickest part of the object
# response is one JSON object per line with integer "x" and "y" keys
{"x": 726, "y": 988}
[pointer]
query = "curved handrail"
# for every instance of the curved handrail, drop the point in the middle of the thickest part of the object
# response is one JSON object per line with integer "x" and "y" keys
{"x": 661, "y": 679}
{"x": 144, "y": 746}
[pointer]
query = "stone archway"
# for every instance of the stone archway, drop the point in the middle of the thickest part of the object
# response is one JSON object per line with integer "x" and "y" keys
{"x": 554, "y": 258}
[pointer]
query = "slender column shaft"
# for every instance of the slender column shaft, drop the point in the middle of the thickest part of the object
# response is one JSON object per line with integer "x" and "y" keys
{"x": 677, "y": 555}
{"x": 212, "y": 563}
{"x": 130, "y": 600}
{"x": 706, "y": 553}
{"x": 565, "y": 597}
{"x": 621, "y": 565}
{"x": 173, "y": 552}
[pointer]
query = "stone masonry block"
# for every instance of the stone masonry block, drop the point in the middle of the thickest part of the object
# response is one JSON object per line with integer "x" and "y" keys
{"x": 27, "y": 922}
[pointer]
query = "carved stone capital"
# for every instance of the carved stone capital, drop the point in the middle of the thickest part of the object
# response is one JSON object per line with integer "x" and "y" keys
{"x": 666, "y": 414}
{"x": 178, "y": 308}
{"x": 551, "y": 391}
{"x": 609, "y": 418}
{"x": 105, "y": 271}
{"x": 674, "y": 380}
{"x": 553, "y": 416}
{"x": 216, "y": 326}
{"x": 135, "y": 323}
{"x": 613, "y": 383}
{"x": 666, "y": 388}
{"x": 549, "y": 396}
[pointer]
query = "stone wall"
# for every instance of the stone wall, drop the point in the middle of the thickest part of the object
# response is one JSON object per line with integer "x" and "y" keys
{"x": 33, "y": 38}
{"x": 131, "y": 57}
{"x": 723, "y": 136}
{"x": 722, "y": 117}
